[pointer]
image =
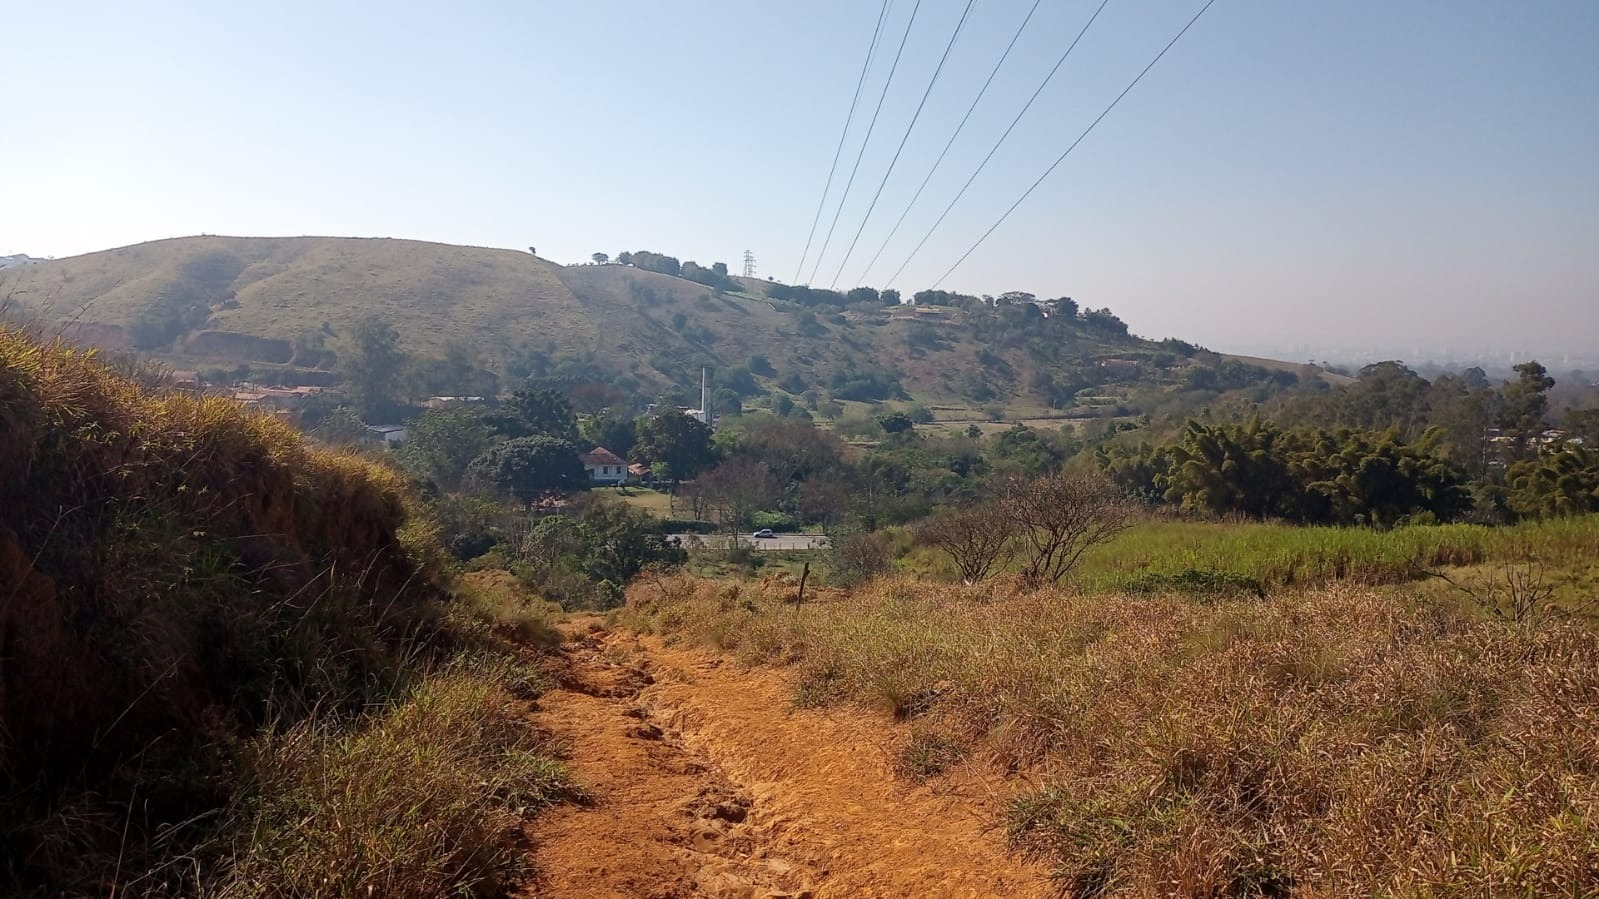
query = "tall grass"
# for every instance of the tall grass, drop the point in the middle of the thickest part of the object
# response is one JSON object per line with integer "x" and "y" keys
{"x": 424, "y": 799}
{"x": 1332, "y": 741}
{"x": 207, "y": 625}
{"x": 1155, "y": 555}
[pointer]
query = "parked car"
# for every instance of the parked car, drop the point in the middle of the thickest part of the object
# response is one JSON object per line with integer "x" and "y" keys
{"x": 764, "y": 533}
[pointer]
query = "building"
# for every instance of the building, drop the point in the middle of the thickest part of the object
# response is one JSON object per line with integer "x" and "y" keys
{"x": 452, "y": 402}
{"x": 604, "y": 466}
{"x": 390, "y": 436}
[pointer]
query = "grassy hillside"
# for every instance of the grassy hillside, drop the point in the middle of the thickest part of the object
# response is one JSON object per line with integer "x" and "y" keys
{"x": 219, "y": 301}
{"x": 229, "y": 662}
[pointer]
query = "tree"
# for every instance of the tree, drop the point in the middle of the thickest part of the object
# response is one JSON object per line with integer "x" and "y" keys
{"x": 533, "y": 250}
{"x": 978, "y": 538}
{"x": 443, "y": 442}
{"x": 1060, "y": 517}
{"x": 823, "y": 500}
{"x": 600, "y": 258}
{"x": 738, "y": 488}
{"x": 615, "y": 434}
{"x": 719, "y": 269}
{"x": 528, "y": 468}
{"x": 624, "y": 258}
{"x": 1525, "y": 401}
{"x": 681, "y": 443}
{"x": 533, "y": 413}
{"x": 889, "y": 297}
{"x": 373, "y": 365}
{"x": 895, "y": 423}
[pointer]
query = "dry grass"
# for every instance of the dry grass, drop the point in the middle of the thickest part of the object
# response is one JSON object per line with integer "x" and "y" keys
{"x": 425, "y": 799}
{"x": 1333, "y": 742}
{"x": 225, "y": 658}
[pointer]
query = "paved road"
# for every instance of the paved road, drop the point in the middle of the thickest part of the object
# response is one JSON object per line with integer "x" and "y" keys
{"x": 772, "y": 544}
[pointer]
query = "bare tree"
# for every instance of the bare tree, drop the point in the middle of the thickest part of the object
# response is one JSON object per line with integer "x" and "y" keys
{"x": 738, "y": 488}
{"x": 979, "y": 538}
{"x": 1060, "y": 517}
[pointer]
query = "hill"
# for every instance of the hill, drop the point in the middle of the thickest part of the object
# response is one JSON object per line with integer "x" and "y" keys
{"x": 295, "y": 302}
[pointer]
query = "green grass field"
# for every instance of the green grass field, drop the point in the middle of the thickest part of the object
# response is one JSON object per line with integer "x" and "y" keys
{"x": 1195, "y": 556}
{"x": 652, "y": 502}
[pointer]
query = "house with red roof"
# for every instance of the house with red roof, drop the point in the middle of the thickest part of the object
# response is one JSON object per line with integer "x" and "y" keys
{"x": 604, "y": 466}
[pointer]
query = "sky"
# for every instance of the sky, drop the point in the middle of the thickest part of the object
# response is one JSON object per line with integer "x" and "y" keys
{"x": 1357, "y": 173}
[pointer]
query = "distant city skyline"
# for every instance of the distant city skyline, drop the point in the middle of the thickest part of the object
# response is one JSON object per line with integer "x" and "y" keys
{"x": 1357, "y": 174}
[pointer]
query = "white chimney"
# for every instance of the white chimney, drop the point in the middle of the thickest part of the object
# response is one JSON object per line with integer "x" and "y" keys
{"x": 705, "y": 397}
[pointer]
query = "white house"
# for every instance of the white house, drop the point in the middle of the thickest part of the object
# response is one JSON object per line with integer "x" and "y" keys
{"x": 604, "y": 466}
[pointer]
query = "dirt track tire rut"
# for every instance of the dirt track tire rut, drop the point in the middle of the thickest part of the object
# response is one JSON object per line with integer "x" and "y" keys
{"x": 705, "y": 783}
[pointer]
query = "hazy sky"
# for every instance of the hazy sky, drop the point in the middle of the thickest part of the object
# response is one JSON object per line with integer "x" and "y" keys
{"x": 1354, "y": 172}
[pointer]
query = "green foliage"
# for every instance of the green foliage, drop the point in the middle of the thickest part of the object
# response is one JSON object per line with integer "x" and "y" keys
{"x": 1555, "y": 484}
{"x": 528, "y": 468}
{"x": 536, "y": 413}
{"x": 679, "y": 443}
{"x": 583, "y": 560}
{"x": 1314, "y": 476}
{"x": 373, "y": 364}
{"x": 895, "y": 423}
{"x": 614, "y": 433}
{"x": 443, "y": 442}
{"x": 1525, "y": 401}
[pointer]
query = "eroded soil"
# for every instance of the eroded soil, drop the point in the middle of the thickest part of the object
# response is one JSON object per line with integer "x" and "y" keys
{"x": 706, "y": 782}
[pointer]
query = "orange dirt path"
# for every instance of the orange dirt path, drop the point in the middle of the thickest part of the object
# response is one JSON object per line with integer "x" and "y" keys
{"x": 707, "y": 783}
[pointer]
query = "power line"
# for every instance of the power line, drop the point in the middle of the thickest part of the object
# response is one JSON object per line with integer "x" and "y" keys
{"x": 940, "y": 160}
{"x": 869, "y": 128}
{"x": 1086, "y": 131}
{"x": 871, "y": 49}
{"x": 997, "y": 144}
{"x": 901, "y": 148}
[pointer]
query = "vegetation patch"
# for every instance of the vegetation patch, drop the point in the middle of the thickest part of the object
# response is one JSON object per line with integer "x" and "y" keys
{"x": 228, "y": 657}
{"x": 1340, "y": 740}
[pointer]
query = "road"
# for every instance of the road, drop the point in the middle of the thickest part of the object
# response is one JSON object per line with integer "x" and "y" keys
{"x": 790, "y": 542}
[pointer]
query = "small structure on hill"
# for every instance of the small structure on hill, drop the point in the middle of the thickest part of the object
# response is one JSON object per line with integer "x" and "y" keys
{"x": 391, "y": 436}
{"x": 604, "y": 466}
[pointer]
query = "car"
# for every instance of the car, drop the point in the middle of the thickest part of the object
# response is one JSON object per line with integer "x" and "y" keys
{"x": 764, "y": 533}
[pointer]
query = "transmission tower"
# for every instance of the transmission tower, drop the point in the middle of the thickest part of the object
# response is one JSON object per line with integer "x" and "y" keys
{"x": 749, "y": 264}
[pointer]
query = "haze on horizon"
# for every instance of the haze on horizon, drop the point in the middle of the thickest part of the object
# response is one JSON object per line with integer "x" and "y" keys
{"x": 1361, "y": 173}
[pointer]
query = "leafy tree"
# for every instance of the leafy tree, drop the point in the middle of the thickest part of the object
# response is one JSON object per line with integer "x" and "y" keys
{"x": 1525, "y": 401}
{"x": 681, "y": 443}
{"x": 889, "y": 297}
{"x": 655, "y": 262}
{"x": 1230, "y": 468}
{"x": 373, "y": 365}
{"x": 528, "y": 468}
{"x": 895, "y": 423}
{"x": 614, "y": 433}
{"x": 535, "y": 413}
{"x": 1583, "y": 424}
{"x": 443, "y": 442}
{"x": 1557, "y": 484}
{"x": 600, "y": 258}
{"x": 624, "y": 257}
{"x": 719, "y": 269}
{"x": 863, "y": 296}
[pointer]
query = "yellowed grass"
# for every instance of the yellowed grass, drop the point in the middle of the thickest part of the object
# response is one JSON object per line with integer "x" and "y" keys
{"x": 1329, "y": 742}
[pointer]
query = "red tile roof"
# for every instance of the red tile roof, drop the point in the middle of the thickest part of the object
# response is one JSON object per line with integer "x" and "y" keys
{"x": 602, "y": 456}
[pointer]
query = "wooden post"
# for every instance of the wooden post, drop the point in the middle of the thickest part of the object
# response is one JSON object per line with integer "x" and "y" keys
{"x": 804, "y": 573}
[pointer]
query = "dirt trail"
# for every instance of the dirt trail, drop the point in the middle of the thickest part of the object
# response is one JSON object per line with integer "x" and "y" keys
{"x": 707, "y": 784}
